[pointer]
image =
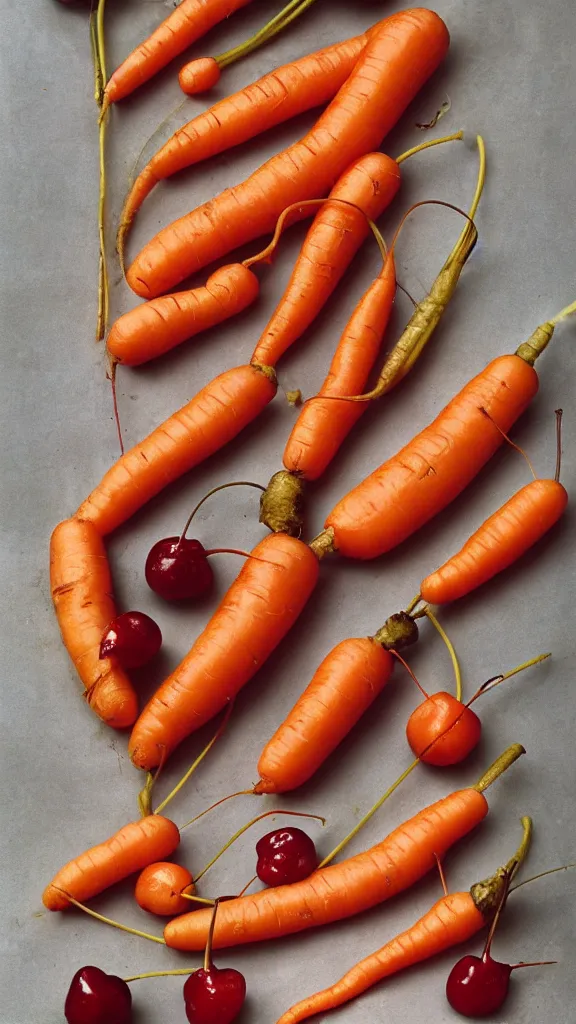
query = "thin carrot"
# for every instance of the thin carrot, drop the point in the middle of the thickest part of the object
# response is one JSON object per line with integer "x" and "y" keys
{"x": 81, "y": 588}
{"x": 258, "y": 610}
{"x": 396, "y": 62}
{"x": 453, "y": 919}
{"x": 273, "y": 99}
{"x": 132, "y": 848}
{"x": 350, "y": 887}
{"x": 212, "y": 418}
{"x": 191, "y": 20}
{"x": 156, "y": 327}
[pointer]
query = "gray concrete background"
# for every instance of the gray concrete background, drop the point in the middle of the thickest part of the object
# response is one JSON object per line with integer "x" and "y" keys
{"x": 66, "y": 780}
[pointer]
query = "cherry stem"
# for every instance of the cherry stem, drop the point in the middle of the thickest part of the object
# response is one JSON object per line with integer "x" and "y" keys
{"x": 198, "y": 760}
{"x": 491, "y": 684}
{"x": 558, "y": 413}
{"x": 108, "y": 920}
{"x": 509, "y": 440}
{"x": 499, "y": 766}
{"x": 241, "y": 831}
{"x": 246, "y": 887}
{"x": 410, "y": 672}
{"x": 441, "y": 873}
{"x": 543, "y": 874}
{"x": 113, "y": 365}
{"x": 231, "y": 551}
{"x": 510, "y": 871}
{"x": 456, "y": 137}
{"x": 221, "y": 487}
{"x": 208, "y": 950}
{"x": 197, "y": 899}
{"x": 162, "y": 974}
{"x": 456, "y": 664}
{"x": 241, "y": 792}
{"x": 537, "y": 963}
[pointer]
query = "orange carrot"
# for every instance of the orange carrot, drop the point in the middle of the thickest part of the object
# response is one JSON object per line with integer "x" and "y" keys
{"x": 191, "y": 20}
{"x": 350, "y": 887}
{"x": 321, "y": 426}
{"x": 155, "y": 327}
{"x": 131, "y": 849}
{"x": 212, "y": 418}
{"x": 396, "y": 62}
{"x": 273, "y": 99}
{"x": 343, "y": 687}
{"x": 81, "y": 589}
{"x": 259, "y": 609}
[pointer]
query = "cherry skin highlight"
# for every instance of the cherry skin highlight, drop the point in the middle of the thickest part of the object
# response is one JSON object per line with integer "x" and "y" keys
{"x": 214, "y": 996}
{"x": 285, "y": 856}
{"x": 177, "y": 569}
{"x": 478, "y": 986}
{"x": 133, "y": 639}
{"x": 95, "y": 997}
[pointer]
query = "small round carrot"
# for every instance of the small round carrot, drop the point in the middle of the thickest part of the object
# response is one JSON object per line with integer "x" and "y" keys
{"x": 212, "y": 418}
{"x": 258, "y": 610}
{"x": 350, "y": 887}
{"x": 155, "y": 327}
{"x": 132, "y": 848}
{"x": 400, "y": 56}
{"x": 81, "y": 588}
{"x": 160, "y": 887}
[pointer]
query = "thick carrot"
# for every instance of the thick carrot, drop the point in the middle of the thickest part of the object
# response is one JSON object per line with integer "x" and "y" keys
{"x": 191, "y": 20}
{"x": 340, "y": 890}
{"x": 81, "y": 588}
{"x": 212, "y": 418}
{"x": 258, "y": 610}
{"x": 155, "y": 327}
{"x": 343, "y": 687}
{"x": 132, "y": 848}
{"x": 499, "y": 542}
{"x": 321, "y": 426}
{"x": 396, "y": 62}
{"x": 273, "y": 99}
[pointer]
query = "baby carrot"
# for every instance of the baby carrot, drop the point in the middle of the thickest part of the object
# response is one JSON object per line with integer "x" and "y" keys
{"x": 353, "y": 885}
{"x": 81, "y": 589}
{"x": 396, "y": 62}
{"x": 212, "y": 418}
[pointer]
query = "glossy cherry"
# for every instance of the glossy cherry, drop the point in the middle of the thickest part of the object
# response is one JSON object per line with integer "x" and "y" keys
{"x": 95, "y": 997}
{"x": 177, "y": 569}
{"x": 211, "y": 995}
{"x": 442, "y": 730}
{"x": 285, "y": 856}
{"x": 133, "y": 639}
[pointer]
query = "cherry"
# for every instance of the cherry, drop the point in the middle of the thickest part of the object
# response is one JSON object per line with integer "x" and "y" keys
{"x": 212, "y": 995}
{"x": 285, "y": 856}
{"x": 442, "y": 730}
{"x": 132, "y": 639}
{"x": 178, "y": 570}
{"x": 95, "y": 997}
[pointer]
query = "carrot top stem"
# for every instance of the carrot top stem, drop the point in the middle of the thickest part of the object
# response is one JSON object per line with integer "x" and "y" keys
{"x": 534, "y": 346}
{"x": 490, "y": 684}
{"x": 198, "y": 760}
{"x": 428, "y": 145}
{"x": 558, "y": 413}
{"x": 288, "y": 14}
{"x": 241, "y": 831}
{"x": 456, "y": 664}
{"x": 114, "y": 924}
{"x": 491, "y": 894}
{"x": 98, "y": 83}
{"x": 499, "y": 766}
{"x": 180, "y": 972}
{"x": 103, "y": 284}
{"x": 221, "y": 487}
{"x": 413, "y": 604}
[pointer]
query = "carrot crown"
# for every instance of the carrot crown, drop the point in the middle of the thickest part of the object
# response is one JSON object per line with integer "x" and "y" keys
{"x": 487, "y": 895}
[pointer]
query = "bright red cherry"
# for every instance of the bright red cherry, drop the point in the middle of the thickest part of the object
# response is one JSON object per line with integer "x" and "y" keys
{"x": 478, "y": 987}
{"x": 95, "y": 997}
{"x": 133, "y": 639}
{"x": 178, "y": 570}
{"x": 285, "y": 856}
{"x": 214, "y": 996}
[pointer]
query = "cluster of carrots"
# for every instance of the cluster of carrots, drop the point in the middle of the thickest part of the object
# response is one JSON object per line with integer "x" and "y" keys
{"x": 336, "y": 173}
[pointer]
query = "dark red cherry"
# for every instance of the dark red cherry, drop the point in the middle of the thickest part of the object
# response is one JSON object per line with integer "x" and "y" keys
{"x": 95, "y": 997}
{"x": 178, "y": 569}
{"x": 214, "y": 996}
{"x": 132, "y": 639}
{"x": 285, "y": 856}
{"x": 477, "y": 986}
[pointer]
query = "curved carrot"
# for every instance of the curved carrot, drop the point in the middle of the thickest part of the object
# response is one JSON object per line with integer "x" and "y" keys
{"x": 396, "y": 62}
{"x": 273, "y": 99}
{"x": 343, "y": 687}
{"x": 256, "y": 613}
{"x": 132, "y": 848}
{"x": 320, "y": 428}
{"x": 499, "y": 542}
{"x": 191, "y": 20}
{"x": 214, "y": 416}
{"x": 81, "y": 588}
{"x": 155, "y": 327}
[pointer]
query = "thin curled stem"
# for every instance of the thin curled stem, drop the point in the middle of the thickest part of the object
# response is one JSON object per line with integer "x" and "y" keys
{"x": 103, "y": 282}
{"x": 198, "y": 760}
{"x": 558, "y": 414}
{"x": 454, "y": 657}
{"x": 180, "y": 972}
{"x": 509, "y": 440}
{"x": 108, "y": 920}
{"x": 456, "y": 137}
{"x": 214, "y": 490}
{"x": 491, "y": 684}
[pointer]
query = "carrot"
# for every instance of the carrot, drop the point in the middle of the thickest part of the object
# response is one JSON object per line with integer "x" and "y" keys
{"x": 212, "y": 418}
{"x": 81, "y": 589}
{"x": 155, "y": 327}
{"x": 348, "y": 888}
{"x": 452, "y": 920}
{"x": 256, "y": 613}
{"x": 396, "y": 62}
{"x": 191, "y": 20}
{"x": 273, "y": 99}
{"x": 131, "y": 849}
